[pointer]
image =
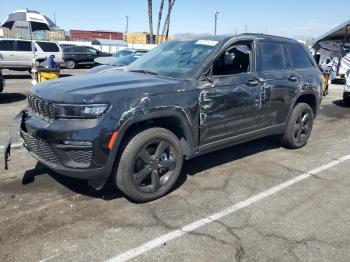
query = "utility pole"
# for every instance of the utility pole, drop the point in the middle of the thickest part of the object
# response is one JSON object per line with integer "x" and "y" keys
{"x": 216, "y": 12}
{"x": 245, "y": 28}
{"x": 127, "y": 24}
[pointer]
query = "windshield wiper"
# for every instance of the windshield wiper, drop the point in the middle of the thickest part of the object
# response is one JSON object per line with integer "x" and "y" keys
{"x": 144, "y": 71}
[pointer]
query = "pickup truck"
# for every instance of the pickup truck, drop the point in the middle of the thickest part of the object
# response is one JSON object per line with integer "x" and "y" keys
{"x": 182, "y": 99}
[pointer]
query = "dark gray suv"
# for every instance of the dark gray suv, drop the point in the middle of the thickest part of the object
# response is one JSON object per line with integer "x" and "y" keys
{"x": 182, "y": 99}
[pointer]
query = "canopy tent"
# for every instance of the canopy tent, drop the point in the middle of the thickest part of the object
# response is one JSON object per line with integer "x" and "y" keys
{"x": 340, "y": 33}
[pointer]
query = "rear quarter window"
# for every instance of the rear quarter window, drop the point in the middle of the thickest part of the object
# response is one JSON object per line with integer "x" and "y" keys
{"x": 271, "y": 56}
{"x": 7, "y": 45}
{"x": 48, "y": 47}
{"x": 300, "y": 59}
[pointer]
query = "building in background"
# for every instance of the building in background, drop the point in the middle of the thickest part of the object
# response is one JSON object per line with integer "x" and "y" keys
{"x": 83, "y": 35}
{"x": 144, "y": 38}
{"x": 57, "y": 35}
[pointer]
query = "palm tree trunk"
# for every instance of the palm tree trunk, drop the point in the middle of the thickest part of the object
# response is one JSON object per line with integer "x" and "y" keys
{"x": 167, "y": 19}
{"x": 159, "y": 19}
{"x": 150, "y": 21}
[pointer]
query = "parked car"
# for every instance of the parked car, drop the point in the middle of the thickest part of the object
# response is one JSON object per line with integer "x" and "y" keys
{"x": 346, "y": 93}
{"x": 118, "y": 64}
{"x": 182, "y": 99}
{"x": 16, "y": 54}
{"x": 123, "y": 53}
{"x": 81, "y": 55}
{"x": 2, "y": 81}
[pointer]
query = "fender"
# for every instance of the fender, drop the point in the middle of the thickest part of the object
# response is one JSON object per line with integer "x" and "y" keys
{"x": 156, "y": 113}
{"x": 308, "y": 92}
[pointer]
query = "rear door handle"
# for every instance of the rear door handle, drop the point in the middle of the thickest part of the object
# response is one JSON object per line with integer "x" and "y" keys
{"x": 293, "y": 78}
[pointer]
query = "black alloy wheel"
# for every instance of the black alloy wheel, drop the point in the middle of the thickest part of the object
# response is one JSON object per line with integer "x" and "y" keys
{"x": 149, "y": 165}
{"x": 153, "y": 166}
{"x": 299, "y": 126}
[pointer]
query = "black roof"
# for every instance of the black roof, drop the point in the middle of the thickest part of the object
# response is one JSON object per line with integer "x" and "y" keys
{"x": 252, "y": 36}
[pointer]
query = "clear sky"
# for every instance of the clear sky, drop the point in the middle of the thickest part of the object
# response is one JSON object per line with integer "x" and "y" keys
{"x": 279, "y": 17}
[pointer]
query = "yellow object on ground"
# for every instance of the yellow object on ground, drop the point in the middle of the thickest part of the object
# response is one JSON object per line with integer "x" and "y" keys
{"x": 46, "y": 74}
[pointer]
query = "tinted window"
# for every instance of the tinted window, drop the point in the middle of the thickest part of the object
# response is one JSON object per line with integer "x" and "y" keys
{"x": 48, "y": 47}
{"x": 287, "y": 58}
{"x": 235, "y": 60}
{"x": 7, "y": 45}
{"x": 80, "y": 49}
{"x": 271, "y": 56}
{"x": 67, "y": 50}
{"x": 300, "y": 59}
{"x": 24, "y": 46}
{"x": 92, "y": 51}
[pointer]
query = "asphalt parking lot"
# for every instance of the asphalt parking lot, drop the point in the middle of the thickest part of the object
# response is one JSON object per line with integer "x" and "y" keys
{"x": 252, "y": 202}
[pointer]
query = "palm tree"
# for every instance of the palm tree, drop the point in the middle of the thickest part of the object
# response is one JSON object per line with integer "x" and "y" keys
{"x": 150, "y": 20}
{"x": 159, "y": 19}
{"x": 167, "y": 19}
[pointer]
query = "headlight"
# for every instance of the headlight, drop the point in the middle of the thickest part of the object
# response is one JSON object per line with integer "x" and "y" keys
{"x": 80, "y": 111}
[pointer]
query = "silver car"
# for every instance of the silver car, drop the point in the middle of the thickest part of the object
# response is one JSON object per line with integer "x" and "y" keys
{"x": 17, "y": 54}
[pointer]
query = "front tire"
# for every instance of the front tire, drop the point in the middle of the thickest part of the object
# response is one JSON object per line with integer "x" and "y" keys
{"x": 149, "y": 165}
{"x": 346, "y": 100}
{"x": 299, "y": 127}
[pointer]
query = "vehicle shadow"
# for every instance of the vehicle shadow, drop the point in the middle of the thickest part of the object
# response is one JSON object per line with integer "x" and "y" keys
{"x": 194, "y": 166}
{"x": 6, "y": 98}
{"x": 79, "y": 186}
{"x": 24, "y": 76}
{"x": 190, "y": 168}
{"x": 340, "y": 103}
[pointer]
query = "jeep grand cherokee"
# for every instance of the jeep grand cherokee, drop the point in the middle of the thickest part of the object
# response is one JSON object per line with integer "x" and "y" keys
{"x": 182, "y": 99}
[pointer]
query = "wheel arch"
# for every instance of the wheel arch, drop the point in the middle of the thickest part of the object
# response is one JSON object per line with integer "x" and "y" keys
{"x": 173, "y": 120}
{"x": 309, "y": 98}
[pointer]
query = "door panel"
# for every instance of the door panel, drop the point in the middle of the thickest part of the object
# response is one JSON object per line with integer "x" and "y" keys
{"x": 278, "y": 91}
{"x": 229, "y": 107}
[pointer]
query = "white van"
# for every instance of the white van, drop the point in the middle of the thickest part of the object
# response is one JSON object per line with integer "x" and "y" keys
{"x": 17, "y": 54}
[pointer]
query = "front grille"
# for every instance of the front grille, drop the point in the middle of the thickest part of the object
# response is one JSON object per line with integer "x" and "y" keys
{"x": 41, "y": 149}
{"x": 41, "y": 107}
{"x": 80, "y": 156}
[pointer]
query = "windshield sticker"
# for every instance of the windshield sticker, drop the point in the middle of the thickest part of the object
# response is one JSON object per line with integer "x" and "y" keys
{"x": 206, "y": 42}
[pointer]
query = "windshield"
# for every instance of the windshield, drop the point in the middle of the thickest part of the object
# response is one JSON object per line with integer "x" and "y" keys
{"x": 179, "y": 59}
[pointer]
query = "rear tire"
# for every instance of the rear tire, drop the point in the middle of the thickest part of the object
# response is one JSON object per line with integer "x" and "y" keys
{"x": 299, "y": 127}
{"x": 149, "y": 165}
{"x": 70, "y": 64}
{"x": 346, "y": 101}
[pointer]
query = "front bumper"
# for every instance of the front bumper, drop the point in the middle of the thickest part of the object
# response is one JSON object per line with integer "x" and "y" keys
{"x": 47, "y": 142}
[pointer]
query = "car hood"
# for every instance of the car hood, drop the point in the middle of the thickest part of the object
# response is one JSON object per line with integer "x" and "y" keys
{"x": 106, "y": 60}
{"x": 104, "y": 87}
{"x": 101, "y": 68}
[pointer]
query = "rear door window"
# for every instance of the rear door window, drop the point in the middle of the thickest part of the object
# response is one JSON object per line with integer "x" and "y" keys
{"x": 24, "y": 46}
{"x": 272, "y": 57}
{"x": 48, "y": 47}
{"x": 300, "y": 59}
{"x": 7, "y": 45}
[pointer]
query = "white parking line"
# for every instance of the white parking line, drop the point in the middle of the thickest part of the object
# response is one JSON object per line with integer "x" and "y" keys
{"x": 135, "y": 252}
